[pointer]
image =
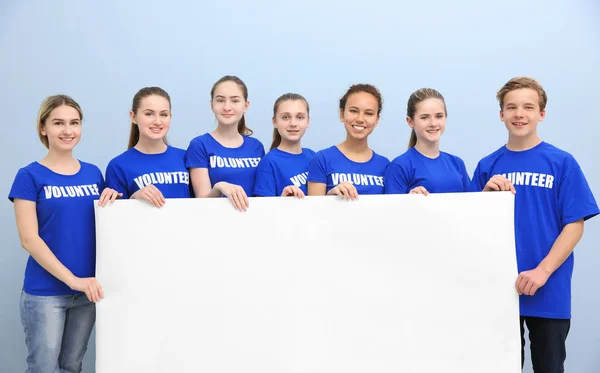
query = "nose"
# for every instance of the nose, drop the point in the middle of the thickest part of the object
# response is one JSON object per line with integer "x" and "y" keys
{"x": 519, "y": 112}
{"x": 67, "y": 129}
{"x": 360, "y": 118}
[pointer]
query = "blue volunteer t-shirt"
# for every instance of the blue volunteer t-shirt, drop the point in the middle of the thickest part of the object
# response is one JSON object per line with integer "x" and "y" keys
{"x": 444, "y": 174}
{"x": 551, "y": 193}
{"x": 66, "y": 221}
{"x": 231, "y": 165}
{"x": 279, "y": 169}
{"x": 331, "y": 167}
{"x": 133, "y": 170}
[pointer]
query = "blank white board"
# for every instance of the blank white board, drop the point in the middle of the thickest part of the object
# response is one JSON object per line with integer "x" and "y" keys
{"x": 394, "y": 283}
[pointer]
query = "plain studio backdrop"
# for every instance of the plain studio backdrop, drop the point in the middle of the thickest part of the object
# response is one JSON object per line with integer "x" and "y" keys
{"x": 101, "y": 53}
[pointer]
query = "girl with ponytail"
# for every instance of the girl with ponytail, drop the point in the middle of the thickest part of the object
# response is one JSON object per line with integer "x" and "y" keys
{"x": 284, "y": 170}
{"x": 224, "y": 161}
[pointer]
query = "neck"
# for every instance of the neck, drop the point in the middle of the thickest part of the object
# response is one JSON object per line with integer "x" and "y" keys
{"x": 226, "y": 132}
{"x": 523, "y": 143}
{"x": 290, "y": 147}
{"x": 56, "y": 157}
{"x": 429, "y": 149}
{"x": 356, "y": 145}
{"x": 148, "y": 146}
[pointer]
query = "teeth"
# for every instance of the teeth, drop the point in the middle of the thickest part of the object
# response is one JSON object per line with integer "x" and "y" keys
{"x": 360, "y": 128}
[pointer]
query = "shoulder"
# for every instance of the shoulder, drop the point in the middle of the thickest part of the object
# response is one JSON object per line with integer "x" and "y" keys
{"x": 453, "y": 158}
{"x": 253, "y": 142}
{"x": 404, "y": 158}
{"x": 308, "y": 152}
{"x": 378, "y": 158}
{"x": 121, "y": 157}
{"x": 200, "y": 140}
{"x": 32, "y": 168}
{"x": 176, "y": 151}
{"x": 556, "y": 153}
{"x": 30, "y": 173}
{"x": 493, "y": 157}
{"x": 327, "y": 152}
{"x": 90, "y": 168}
{"x": 270, "y": 156}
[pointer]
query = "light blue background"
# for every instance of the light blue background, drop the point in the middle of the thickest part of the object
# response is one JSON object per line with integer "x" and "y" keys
{"x": 101, "y": 53}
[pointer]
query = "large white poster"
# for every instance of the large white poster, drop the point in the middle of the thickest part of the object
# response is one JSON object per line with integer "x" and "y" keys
{"x": 398, "y": 283}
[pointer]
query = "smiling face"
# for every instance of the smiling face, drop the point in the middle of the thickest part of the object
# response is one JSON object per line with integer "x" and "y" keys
{"x": 521, "y": 113}
{"x": 62, "y": 128}
{"x": 429, "y": 120}
{"x": 360, "y": 115}
{"x": 153, "y": 117}
{"x": 291, "y": 120}
{"x": 228, "y": 103}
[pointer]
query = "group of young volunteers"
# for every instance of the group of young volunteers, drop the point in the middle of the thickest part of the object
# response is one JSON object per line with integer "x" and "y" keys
{"x": 53, "y": 198}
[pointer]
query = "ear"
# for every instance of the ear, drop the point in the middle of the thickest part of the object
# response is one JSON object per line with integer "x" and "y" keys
{"x": 307, "y": 121}
{"x": 246, "y": 106}
{"x": 542, "y": 115}
{"x": 132, "y": 116}
{"x": 342, "y": 116}
{"x": 410, "y": 122}
{"x": 43, "y": 130}
{"x": 273, "y": 122}
{"x": 501, "y": 115}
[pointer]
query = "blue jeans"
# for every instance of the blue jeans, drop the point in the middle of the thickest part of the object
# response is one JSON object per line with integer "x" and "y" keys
{"x": 57, "y": 331}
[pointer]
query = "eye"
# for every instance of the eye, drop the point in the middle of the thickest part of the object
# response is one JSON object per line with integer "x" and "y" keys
{"x": 75, "y": 123}
{"x": 165, "y": 115}
{"x": 285, "y": 117}
{"x": 440, "y": 116}
{"x": 235, "y": 101}
{"x": 58, "y": 123}
{"x": 423, "y": 117}
{"x": 147, "y": 114}
{"x": 300, "y": 117}
{"x": 353, "y": 111}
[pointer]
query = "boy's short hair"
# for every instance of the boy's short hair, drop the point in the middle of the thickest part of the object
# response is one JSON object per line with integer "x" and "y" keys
{"x": 522, "y": 82}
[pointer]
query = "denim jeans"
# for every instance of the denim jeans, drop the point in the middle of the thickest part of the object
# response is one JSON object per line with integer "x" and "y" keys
{"x": 57, "y": 331}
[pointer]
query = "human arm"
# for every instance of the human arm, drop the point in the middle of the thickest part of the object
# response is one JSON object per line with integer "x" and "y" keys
{"x": 27, "y": 225}
{"x": 528, "y": 282}
{"x": 202, "y": 189}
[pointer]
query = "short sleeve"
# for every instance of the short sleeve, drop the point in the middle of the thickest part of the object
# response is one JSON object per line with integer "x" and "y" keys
{"x": 477, "y": 182}
{"x": 317, "y": 169}
{"x": 575, "y": 198}
{"x": 264, "y": 186}
{"x": 196, "y": 155}
{"x": 23, "y": 187}
{"x": 115, "y": 179}
{"x": 395, "y": 179}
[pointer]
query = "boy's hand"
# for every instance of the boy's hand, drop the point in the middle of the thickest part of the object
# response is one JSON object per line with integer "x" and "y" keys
{"x": 499, "y": 183}
{"x": 529, "y": 282}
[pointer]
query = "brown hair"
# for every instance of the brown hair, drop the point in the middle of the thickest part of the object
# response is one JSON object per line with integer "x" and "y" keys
{"x": 415, "y": 98}
{"x": 281, "y": 99}
{"x": 134, "y": 133}
{"x": 367, "y": 88}
{"x": 242, "y": 128}
{"x": 522, "y": 82}
{"x": 50, "y": 103}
